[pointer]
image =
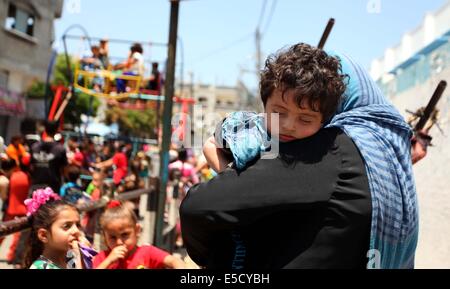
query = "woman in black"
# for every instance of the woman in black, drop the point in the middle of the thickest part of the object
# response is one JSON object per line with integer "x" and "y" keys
{"x": 332, "y": 200}
{"x": 308, "y": 208}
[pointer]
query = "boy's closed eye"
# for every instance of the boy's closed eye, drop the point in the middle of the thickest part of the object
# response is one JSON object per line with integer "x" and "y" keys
{"x": 306, "y": 121}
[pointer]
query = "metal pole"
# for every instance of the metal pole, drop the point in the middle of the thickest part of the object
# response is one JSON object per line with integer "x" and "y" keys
{"x": 113, "y": 40}
{"x": 258, "y": 69}
{"x": 68, "y": 64}
{"x": 68, "y": 59}
{"x": 258, "y": 54}
{"x": 181, "y": 65}
{"x": 167, "y": 119}
{"x": 47, "y": 81}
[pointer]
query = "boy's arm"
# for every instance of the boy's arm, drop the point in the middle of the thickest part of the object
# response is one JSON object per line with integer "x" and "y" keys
{"x": 217, "y": 158}
{"x": 172, "y": 262}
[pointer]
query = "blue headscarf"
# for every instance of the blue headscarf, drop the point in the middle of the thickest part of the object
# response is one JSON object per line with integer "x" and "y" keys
{"x": 383, "y": 139}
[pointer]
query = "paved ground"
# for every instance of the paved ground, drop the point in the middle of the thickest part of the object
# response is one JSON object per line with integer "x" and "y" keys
{"x": 433, "y": 188}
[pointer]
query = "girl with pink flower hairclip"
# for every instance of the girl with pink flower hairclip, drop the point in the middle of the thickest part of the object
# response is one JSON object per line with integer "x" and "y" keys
{"x": 54, "y": 241}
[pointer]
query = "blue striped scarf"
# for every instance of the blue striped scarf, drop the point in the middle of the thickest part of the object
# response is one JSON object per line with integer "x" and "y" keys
{"x": 383, "y": 138}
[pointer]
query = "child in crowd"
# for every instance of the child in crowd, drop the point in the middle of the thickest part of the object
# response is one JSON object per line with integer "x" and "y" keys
{"x": 71, "y": 191}
{"x": 16, "y": 149}
{"x": 19, "y": 185}
{"x": 55, "y": 240}
{"x": 95, "y": 187}
{"x": 95, "y": 190}
{"x": 121, "y": 232}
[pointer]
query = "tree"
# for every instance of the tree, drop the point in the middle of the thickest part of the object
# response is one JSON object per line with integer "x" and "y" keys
{"x": 136, "y": 122}
{"x": 36, "y": 90}
{"x": 79, "y": 104}
{"x": 60, "y": 72}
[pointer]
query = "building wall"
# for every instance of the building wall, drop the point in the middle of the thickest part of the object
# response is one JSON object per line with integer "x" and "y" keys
{"x": 23, "y": 57}
{"x": 409, "y": 88}
{"x": 428, "y": 65}
{"x": 213, "y": 103}
{"x": 37, "y": 49}
{"x": 434, "y": 25}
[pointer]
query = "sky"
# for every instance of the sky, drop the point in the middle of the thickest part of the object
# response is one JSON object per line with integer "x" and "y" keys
{"x": 217, "y": 37}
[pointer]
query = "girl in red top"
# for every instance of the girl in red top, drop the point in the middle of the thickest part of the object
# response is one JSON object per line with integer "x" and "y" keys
{"x": 121, "y": 232}
{"x": 19, "y": 184}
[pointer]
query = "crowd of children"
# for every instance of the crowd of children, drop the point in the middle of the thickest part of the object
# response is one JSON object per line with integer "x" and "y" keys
{"x": 57, "y": 241}
{"x": 79, "y": 170}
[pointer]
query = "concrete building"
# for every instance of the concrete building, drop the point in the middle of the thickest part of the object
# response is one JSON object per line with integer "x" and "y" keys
{"x": 26, "y": 38}
{"x": 212, "y": 104}
{"x": 408, "y": 74}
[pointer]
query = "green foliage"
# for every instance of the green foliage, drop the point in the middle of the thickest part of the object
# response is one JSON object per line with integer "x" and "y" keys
{"x": 60, "y": 72}
{"x": 36, "y": 90}
{"x": 80, "y": 105}
{"x": 135, "y": 122}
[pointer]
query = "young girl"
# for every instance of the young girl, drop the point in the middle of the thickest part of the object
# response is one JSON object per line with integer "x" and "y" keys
{"x": 121, "y": 232}
{"x": 55, "y": 233}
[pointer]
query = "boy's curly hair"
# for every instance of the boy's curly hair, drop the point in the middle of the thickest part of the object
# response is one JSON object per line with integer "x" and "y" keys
{"x": 310, "y": 72}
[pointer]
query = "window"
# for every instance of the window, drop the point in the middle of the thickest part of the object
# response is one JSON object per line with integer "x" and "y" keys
{"x": 3, "y": 79}
{"x": 438, "y": 62}
{"x": 20, "y": 20}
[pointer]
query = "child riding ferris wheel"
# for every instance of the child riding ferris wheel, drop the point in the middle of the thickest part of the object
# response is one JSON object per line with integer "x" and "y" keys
{"x": 91, "y": 71}
{"x": 96, "y": 75}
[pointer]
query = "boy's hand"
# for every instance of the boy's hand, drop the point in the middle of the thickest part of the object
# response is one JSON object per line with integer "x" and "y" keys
{"x": 216, "y": 157}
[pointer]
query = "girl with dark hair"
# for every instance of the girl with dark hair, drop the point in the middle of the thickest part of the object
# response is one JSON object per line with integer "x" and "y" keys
{"x": 55, "y": 233}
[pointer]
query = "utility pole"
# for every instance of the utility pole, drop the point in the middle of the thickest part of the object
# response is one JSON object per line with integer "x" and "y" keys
{"x": 258, "y": 65}
{"x": 258, "y": 54}
{"x": 191, "y": 96}
{"x": 191, "y": 86}
{"x": 167, "y": 120}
